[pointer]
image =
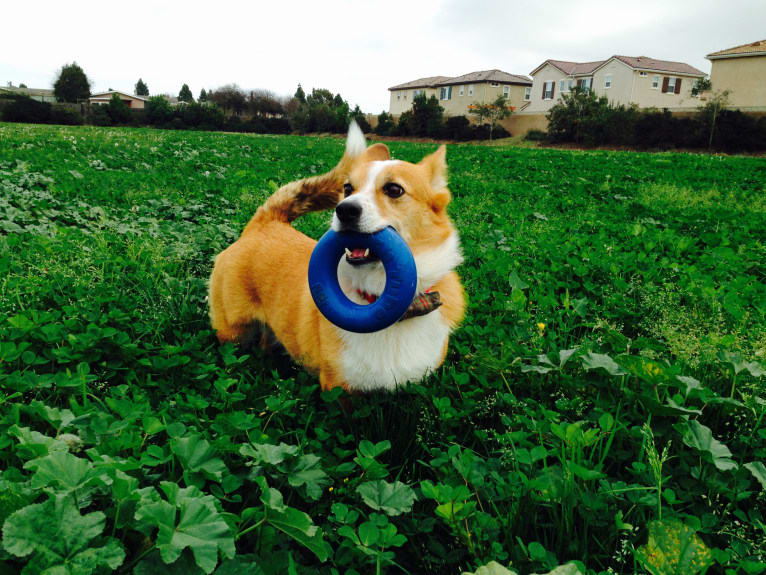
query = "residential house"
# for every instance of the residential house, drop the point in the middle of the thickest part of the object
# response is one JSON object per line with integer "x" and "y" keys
{"x": 457, "y": 94}
{"x": 742, "y": 71}
{"x": 132, "y": 101}
{"x": 39, "y": 94}
{"x": 646, "y": 82}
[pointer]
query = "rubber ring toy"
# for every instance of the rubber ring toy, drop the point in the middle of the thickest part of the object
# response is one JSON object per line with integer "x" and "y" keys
{"x": 401, "y": 280}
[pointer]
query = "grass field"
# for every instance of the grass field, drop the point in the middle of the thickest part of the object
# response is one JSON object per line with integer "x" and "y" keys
{"x": 603, "y": 402}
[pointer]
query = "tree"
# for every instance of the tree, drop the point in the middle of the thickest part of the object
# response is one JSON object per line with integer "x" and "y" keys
{"x": 202, "y": 96}
{"x": 141, "y": 88}
{"x": 158, "y": 111}
{"x": 72, "y": 85}
{"x": 264, "y": 103}
{"x": 361, "y": 119}
{"x": 385, "y": 125}
{"x": 185, "y": 95}
{"x": 230, "y": 98}
{"x": 23, "y": 85}
{"x": 300, "y": 95}
{"x": 701, "y": 85}
{"x": 712, "y": 109}
{"x": 427, "y": 117}
{"x": 492, "y": 113}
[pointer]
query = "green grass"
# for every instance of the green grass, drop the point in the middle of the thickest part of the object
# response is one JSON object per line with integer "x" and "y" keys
{"x": 605, "y": 391}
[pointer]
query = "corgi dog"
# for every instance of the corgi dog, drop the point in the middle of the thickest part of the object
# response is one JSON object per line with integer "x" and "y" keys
{"x": 262, "y": 279}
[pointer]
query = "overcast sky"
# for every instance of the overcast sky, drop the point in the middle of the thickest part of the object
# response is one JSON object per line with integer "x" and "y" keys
{"x": 357, "y": 48}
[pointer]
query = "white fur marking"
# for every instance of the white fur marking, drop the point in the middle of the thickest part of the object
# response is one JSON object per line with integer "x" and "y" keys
{"x": 403, "y": 352}
{"x": 355, "y": 141}
{"x": 370, "y": 221}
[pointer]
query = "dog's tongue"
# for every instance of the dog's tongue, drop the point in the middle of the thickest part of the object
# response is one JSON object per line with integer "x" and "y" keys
{"x": 357, "y": 253}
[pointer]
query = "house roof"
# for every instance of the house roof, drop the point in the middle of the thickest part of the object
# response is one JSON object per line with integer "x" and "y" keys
{"x": 428, "y": 82}
{"x": 28, "y": 91}
{"x": 751, "y": 49}
{"x": 110, "y": 92}
{"x": 636, "y": 62}
{"x": 647, "y": 63}
{"x": 487, "y": 76}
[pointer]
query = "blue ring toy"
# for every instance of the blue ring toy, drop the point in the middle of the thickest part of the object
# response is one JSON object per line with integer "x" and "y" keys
{"x": 401, "y": 280}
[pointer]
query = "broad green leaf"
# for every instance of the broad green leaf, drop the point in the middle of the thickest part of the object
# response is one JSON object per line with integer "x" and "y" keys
{"x": 700, "y": 437}
{"x": 368, "y": 534}
{"x": 516, "y": 282}
{"x": 188, "y": 519}
{"x": 584, "y": 472}
{"x": 267, "y": 453}
{"x": 300, "y": 527}
{"x": 307, "y": 471}
{"x": 758, "y": 470}
{"x": 491, "y": 568}
{"x": 391, "y": 498}
{"x": 153, "y": 564}
{"x": 601, "y": 361}
{"x": 58, "y": 539}
{"x": 197, "y": 456}
{"x": 273, "y": 499}
{"x": 61, "y": 469}
{"x": 673, "y": 548}
{"x": 370, "y": 449}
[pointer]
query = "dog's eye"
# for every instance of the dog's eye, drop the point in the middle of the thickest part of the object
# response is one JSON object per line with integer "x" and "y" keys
{"x": 393, "y": 190}
{"x": 347, "y": 190}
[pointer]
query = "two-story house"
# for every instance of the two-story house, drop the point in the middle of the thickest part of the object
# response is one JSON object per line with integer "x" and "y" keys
{"x": 457, "y": 94}
{"x": 742, "y": 71}
{"x": 646, "y": 82}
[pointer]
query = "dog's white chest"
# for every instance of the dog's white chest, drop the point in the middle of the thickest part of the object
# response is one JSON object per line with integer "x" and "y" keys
{"x": 403, "y": 352}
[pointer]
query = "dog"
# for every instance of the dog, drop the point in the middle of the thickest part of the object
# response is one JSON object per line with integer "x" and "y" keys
{"x": 261, "y": 279}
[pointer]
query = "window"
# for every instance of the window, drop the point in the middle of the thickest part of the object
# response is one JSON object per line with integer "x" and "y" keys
{"x": 528, "y": 93}
{"x": 655, "y": 82}
{"x": 585, "y": 83}
{"x": 642, "y": 74}
{"x": 462, "y": 90}
{"x": 506, "y": 92}
{"x": 416, "y": 93}
{"x": 561, "y": 85}
{"x": 470, "y": 89}
{"x": 446, "y": 93}
{"x": 608, "y": 81}
{"x": 548, "y": 90}
{"x": 494, "y": 84}
{"x": 398, "y": 95}
{"x": 671, "y": 89}
{"x": 570, "y": 84}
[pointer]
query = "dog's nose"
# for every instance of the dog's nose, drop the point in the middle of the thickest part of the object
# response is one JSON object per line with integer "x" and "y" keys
{"x": 348, "y": 212}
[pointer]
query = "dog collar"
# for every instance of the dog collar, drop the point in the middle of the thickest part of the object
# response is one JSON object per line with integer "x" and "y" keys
{"x": 423, "y": 304}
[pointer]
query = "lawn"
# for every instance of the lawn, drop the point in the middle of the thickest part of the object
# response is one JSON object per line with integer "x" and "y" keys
{"x": 603, "y": 402}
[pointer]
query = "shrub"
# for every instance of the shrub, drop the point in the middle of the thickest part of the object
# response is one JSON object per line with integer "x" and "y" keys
{"x": 118, "y": 111}
{"x": 458, "y": 128}
{"x": 25, "y": 109}
{"x": 65, "y": 116}
{"x": 99, "y": 116}
{"x": 536, "y": 136}
{"x": 386, "y": 125}
{"x": 158, "y": 111}
{"x": 202, "y": 116}
{"x": 427, "y": 117}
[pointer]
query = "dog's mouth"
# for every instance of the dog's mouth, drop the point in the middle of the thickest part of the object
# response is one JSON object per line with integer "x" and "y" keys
{"x": 360, "y": 256}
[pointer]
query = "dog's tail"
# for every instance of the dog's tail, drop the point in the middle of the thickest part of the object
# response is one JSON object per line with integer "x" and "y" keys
{"x": 313, "y": 194}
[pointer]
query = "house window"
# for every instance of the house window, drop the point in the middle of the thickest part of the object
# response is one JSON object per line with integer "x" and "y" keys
{"x": 608, "y": 81}
{"x": 494, "y": 84}
{"x": 570, "y": 84}
{"x": 528, "y": 93}
{"x": 655, "y": 82}
{"x": 585, "y": 83}
{"x": 642, "y": 74}
{"x": 398, "y": 96}
{"x": 671, "y": 89}
{"x": 416, "y": 93}
{"x": 506, "y": 92}
{"x": 446, "y": 93}
{"x": 462, "y": 90}
{"x": 470, "y": 89}
{"x": 561, "y": 85}
{"x": 548, "y": 90}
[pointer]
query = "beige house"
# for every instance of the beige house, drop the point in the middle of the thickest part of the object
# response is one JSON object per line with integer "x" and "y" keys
{"x": 640, "y": 80}
{"x": 742, "y": 71}
{"x": 133, "y": 101}
{"x": 457, "y": 94}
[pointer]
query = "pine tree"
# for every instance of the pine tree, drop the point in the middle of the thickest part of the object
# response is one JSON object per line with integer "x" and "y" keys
{"x": 202, "y": 95}
{"x": 72, "y": 85}
{"x": 185, "y": 95}
{"x": 300, "y": 95}
{"x": 141, "y": 88}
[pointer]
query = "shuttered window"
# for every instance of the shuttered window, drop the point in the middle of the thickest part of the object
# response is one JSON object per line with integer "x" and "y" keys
{"x": 446, "y": 93}
{"x": 671, "y": 85}
{"x": 548, "y": 88}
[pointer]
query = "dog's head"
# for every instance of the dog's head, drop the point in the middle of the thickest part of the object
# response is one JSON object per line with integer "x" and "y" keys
{"x": 412, "y": 199}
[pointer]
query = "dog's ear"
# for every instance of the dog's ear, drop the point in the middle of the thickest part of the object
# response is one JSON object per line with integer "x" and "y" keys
{"x": 378, "y": 152}
{"x": 436, "y": 168}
